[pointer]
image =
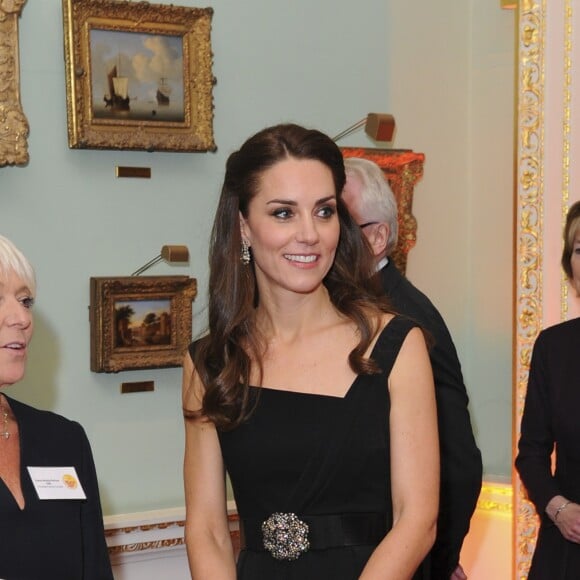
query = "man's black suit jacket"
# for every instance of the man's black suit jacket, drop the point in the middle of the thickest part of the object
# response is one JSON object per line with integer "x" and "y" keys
{"x": 461, "y": 467}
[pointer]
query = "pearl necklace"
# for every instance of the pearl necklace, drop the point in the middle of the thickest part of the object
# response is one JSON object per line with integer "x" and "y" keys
{"x": 5, "y": 434}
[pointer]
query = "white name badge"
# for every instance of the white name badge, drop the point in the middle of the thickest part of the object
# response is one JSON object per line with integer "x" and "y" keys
{"x": 56, "y": 483}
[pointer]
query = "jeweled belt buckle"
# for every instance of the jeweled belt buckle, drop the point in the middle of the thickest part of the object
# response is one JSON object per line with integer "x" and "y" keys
{"x": 285, "y": 536}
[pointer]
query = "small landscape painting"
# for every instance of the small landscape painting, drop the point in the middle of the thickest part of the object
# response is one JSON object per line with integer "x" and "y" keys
{"x": 142, "y": 322}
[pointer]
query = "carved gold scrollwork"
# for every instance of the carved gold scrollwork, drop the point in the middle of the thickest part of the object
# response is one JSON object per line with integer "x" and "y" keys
{"x": 13, "y": 123}
{"x": 529, "y": 211}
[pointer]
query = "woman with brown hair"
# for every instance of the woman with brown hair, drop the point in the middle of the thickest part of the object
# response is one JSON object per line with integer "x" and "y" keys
{"x": 550, "y": 423}
{"x": 317, "y": 401}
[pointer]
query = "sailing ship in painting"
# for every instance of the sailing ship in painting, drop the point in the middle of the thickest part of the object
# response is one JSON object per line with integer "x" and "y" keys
{"x": 163, "y": 92}
{"x": 118, "y": 97}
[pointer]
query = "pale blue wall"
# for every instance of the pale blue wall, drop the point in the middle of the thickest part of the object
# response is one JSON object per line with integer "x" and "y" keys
{"x": 490, "y": 238}
{"x": 444, "y": 69}
{"x": 451, "y": 87}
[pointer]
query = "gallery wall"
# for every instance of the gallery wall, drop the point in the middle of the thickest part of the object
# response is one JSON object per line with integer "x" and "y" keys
{"x": 445, "y": 71}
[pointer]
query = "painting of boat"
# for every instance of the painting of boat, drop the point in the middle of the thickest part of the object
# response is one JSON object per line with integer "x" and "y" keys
{"x": 163, "y": 92}
{"x": 118, "y": 97}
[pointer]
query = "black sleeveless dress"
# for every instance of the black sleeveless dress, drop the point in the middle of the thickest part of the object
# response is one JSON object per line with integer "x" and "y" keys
{"x": 316, "y": 455}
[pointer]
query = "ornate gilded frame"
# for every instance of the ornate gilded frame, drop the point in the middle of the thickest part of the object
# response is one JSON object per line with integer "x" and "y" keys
{"x": 528, "y": 239}
{"x": 403, "y": 168}
{"x": 544, "y": 171}
{"x": 13, "y": 123}
{"x": 159, "y": 343}
{"x": 137, "y": 117}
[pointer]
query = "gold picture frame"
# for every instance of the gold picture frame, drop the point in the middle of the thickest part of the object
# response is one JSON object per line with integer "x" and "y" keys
{"x": 13, "y": 123}
{"x": 140, "y": 322}
{"x": 138, "y": 76}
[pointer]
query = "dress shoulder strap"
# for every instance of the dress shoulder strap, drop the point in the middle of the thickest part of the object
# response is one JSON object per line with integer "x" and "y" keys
{"x": 390, "y": 340}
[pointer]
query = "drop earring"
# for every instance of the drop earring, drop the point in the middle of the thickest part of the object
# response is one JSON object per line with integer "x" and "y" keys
{"x": 245, "y": 257}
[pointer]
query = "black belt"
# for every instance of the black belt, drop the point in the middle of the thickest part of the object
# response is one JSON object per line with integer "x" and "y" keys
{"x": 318, "y": 532}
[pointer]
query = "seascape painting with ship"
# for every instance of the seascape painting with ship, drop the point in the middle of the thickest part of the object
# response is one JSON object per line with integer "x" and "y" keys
{"x": 136, "y": 76}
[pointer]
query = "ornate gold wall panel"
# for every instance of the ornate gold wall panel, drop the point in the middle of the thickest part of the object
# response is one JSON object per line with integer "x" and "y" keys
{"x": 546, "y": 182}
{"x": 528, "y": 239}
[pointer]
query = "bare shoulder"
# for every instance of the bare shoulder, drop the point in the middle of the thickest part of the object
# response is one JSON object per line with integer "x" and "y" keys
{"x": 412, "y": 365}
{"x": 415, "y": 338}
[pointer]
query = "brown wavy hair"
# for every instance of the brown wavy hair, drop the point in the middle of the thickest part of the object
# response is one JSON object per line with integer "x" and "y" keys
{"x": 570, "y": 230}
{"x": 223, "y": 357}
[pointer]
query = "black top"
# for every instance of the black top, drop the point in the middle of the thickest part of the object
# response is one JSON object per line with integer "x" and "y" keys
{"x": 550, "y": 420}
{"x": 316, "y": 455}
{"x": 52, "y": 539}
{"x": 461, "y": 466}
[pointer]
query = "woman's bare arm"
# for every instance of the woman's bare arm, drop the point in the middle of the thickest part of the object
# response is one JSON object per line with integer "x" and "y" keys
{"x": 414, "y": 465}
{"x": 207, "y": 536}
